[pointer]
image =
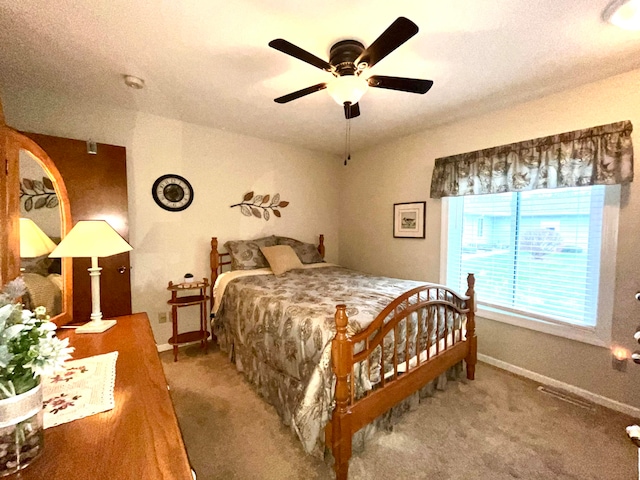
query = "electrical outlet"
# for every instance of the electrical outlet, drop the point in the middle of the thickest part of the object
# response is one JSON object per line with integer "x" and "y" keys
{"x": 162, "y": 317}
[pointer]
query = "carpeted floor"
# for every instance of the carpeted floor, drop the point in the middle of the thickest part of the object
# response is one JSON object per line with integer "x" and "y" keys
{"x": 497, "y": 427}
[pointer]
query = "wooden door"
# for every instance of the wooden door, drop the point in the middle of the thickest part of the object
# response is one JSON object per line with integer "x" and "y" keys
{"x": 97, "y": 188}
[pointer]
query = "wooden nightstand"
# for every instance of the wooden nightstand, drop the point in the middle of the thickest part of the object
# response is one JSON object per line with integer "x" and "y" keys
{"x": 185, "y": 301}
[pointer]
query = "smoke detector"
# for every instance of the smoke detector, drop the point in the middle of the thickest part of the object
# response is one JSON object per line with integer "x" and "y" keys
{"x": 133, "y": 82}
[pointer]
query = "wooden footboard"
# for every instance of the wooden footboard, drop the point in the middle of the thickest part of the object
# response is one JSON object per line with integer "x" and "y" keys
{"x": 443, "y": 324}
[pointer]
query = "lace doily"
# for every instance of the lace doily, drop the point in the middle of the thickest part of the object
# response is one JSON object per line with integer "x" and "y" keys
{"x": 84, "y": 388}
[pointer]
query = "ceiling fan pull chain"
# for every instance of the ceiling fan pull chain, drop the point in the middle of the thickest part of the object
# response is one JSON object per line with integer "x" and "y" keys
{"x": 349, "y": 139}
{"x": 346, "y": 142}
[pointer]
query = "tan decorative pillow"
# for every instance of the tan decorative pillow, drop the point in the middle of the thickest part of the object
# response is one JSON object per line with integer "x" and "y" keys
{"x": 281, "y": 258}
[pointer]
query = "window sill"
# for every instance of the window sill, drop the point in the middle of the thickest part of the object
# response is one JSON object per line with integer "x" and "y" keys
{"x": 581, "y": 334}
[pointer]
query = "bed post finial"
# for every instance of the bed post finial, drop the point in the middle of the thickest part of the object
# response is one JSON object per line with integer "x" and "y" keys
{"x": 342, "y": 361}
{"x": 321, "y": 245}
{"x": 214, "y": 262}
{"x": 472, "y": 356}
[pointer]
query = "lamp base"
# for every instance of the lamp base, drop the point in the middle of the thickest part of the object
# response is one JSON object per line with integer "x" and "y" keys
{"x": 96, "y": 326}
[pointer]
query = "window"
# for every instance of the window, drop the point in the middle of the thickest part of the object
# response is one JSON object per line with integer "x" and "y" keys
{"x": 543, "y": 259}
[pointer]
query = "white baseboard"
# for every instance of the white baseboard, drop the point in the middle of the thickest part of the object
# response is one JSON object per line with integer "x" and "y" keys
{"x": 551, "y": 382}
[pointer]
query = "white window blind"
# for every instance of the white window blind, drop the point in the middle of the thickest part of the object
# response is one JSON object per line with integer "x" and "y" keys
{"x": 535, "y": 253}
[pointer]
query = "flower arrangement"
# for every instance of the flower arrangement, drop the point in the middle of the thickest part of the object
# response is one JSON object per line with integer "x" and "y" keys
{"x": 28, "y": 345}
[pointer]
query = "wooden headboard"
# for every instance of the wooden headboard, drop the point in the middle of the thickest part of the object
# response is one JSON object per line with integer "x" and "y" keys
{"x": 219, "y": 260}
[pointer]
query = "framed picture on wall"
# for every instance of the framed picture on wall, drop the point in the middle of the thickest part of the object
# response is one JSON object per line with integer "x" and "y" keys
{"x": 408, "y": 220}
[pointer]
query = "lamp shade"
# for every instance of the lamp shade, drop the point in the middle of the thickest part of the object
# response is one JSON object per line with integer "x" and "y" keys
{"x": 33, "y": 241}
{"x": 347, "y": 88}
{"x": 91, "y": 238}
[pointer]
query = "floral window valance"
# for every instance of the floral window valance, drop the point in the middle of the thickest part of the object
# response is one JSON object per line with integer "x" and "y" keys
{"x": 594, "y": 156}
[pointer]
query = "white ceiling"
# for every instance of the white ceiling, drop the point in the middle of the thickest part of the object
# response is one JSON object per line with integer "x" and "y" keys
{"x": 208, "y": 62}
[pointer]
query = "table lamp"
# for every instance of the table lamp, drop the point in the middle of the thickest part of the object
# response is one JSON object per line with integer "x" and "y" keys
{"x": 92, "y": 238}
{"x": 33, "y": 241}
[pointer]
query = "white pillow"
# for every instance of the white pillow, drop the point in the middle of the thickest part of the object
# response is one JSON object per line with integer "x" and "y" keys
{"x": 281, "y": 258}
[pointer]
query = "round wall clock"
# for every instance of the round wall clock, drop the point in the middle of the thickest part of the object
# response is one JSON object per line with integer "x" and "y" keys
{"x": 172, "y": 192}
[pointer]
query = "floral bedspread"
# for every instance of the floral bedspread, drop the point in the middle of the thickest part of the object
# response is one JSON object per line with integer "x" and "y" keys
{"x": 280, "y": 330}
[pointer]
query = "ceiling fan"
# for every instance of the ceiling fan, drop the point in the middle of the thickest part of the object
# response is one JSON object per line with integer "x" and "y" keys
{"x": 349, "y": 61}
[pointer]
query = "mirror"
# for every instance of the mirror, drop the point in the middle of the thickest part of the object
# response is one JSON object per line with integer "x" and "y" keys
{"x": 40, "y": 199}
{"x": 40, "y": 227}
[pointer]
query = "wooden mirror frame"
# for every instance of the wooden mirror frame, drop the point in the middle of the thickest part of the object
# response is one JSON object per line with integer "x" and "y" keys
{"x": 4, "y": 204}
{"x": 10, "y": 261}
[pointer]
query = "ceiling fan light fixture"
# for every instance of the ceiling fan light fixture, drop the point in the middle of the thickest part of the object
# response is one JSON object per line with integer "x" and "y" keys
{"x": 347, "y": 88}
{"x": 623, "y": 13}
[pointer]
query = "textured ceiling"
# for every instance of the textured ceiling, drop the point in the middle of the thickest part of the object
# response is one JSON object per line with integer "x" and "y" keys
{"x": 208, "y": 62}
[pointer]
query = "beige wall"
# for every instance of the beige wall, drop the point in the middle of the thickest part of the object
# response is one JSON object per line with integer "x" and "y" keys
{"x": 223, "y": 166}
{"x": 220, "y": 166}
{"x": 401, "y": 172}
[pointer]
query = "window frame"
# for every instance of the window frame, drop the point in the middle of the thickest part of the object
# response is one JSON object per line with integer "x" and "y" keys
{"x": 600, "y": 334}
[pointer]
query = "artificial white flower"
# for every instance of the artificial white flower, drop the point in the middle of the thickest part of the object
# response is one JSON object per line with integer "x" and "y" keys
{"x": 27, "y": 315}
{"x": 29, "y": 347}
{"x": 14, "y": 330}
{"x": 48, "y": 327}
{"x": 51, "y": 354}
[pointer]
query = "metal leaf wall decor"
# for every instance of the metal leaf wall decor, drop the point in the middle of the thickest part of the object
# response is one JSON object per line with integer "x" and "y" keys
{"x": 38, "y": 194}
{"x": 261, "y": 206}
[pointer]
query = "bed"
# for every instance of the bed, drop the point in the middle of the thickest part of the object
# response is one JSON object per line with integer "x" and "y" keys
{"x": 333, "y": 349}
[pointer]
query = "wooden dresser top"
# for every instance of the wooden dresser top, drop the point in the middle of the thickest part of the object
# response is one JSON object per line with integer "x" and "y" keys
{"x": 139, "y": 438}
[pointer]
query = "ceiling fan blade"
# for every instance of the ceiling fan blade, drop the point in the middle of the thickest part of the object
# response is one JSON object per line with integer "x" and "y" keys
{"x": 413, "y": 85}
{"x": 401, "y": 30}
{"x": 301, "y": 93}
{"x": 296, "y": 52}
{"x": 351, "y": 111}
